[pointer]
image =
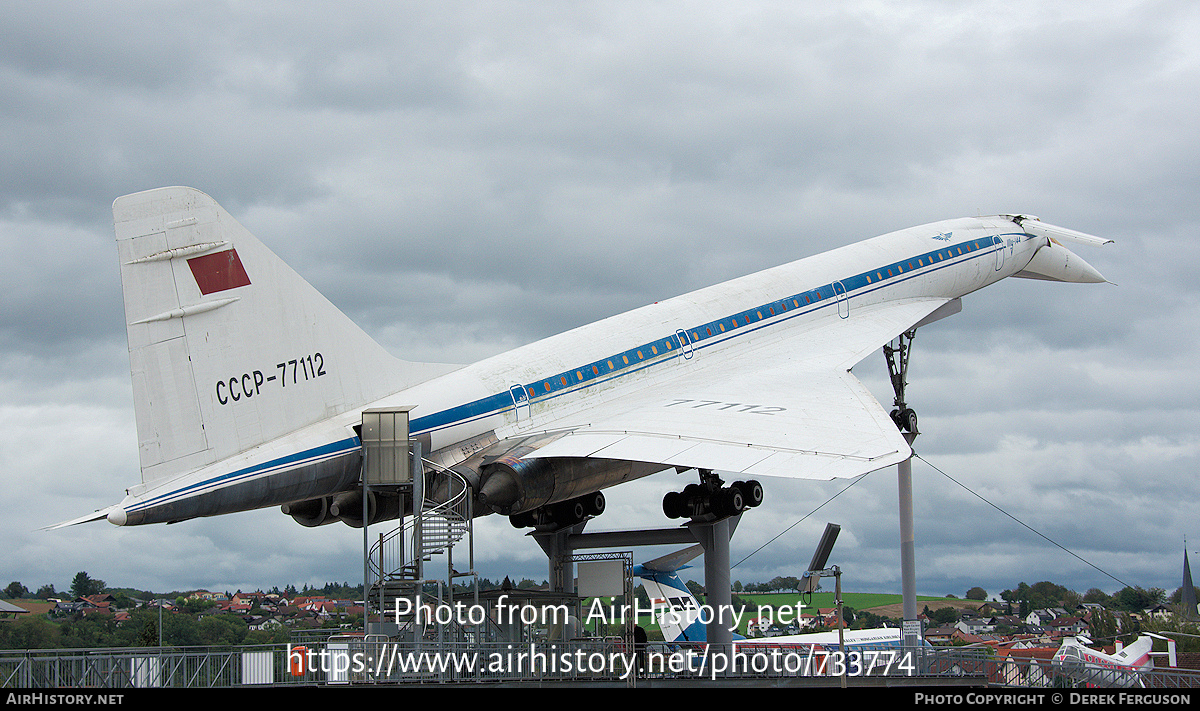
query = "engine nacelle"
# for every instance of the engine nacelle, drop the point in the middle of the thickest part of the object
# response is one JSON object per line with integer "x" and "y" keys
{"x": 346, "y": 507}
{"x": 311, "y": 513}
{"x": 506, "y": 478}
{"x": 510, "y": 485}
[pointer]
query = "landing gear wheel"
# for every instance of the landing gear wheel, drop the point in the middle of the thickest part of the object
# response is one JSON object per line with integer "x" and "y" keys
{"x": 593, "y": 504}
{"x": 752, "y": 492}
{"x": 710, "y": 499}
{"x": 906, "y": 419}
{"x": 564, "y": 513}
{"x": 523, "y": 520}
{"x": 673, "y": 504}
{"x": 568, "y": 512}
{"x": 728, "y": 502}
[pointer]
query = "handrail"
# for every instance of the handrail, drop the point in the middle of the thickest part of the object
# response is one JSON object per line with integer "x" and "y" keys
{"x": 454, "y": 511}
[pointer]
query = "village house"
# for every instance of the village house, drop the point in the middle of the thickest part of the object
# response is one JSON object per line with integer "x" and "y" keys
{"x": 995, "y": 609}
{"x": 975, "y": 626}
{"x": 1068, "y": 626}
{"x": 1159, "y": 612}
{"x": 254, "y": 599}
{"x": 209, "y": 596}
{"x": 1042, "y": 618}
{"x": 264, "y": 623}
{"x": 1009, "y": 621}
{"x": 828, "y": 616}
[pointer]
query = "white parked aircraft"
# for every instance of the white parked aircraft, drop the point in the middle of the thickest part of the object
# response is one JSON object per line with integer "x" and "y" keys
{"x": 249, "y": 386}
{"x": 1093, "y": 667}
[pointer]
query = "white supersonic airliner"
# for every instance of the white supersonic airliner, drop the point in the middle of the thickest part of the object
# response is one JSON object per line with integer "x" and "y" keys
{"x": 249, "y": 386}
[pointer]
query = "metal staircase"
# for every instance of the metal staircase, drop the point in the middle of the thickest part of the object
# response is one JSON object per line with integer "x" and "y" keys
{"x": 396, "y": 562}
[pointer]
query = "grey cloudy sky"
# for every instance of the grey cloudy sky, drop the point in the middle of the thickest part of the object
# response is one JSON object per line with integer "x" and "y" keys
{"x": 465, "y": 177}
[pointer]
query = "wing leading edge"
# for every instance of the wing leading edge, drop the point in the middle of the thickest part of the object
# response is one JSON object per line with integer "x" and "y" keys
{"x": 783, "y": 408}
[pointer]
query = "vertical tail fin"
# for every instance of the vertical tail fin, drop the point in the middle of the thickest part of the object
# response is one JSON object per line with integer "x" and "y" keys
{"x": 228, "y": 347}
{"x": 675, "y": 608}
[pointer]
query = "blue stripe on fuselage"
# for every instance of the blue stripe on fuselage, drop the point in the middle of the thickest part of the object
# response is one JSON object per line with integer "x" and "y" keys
{"x": 712, "y": 333}
{"x": 327, "y": 451}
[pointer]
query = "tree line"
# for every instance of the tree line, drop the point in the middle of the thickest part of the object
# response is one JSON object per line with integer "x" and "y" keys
{"x": 1025, "y": 597}
{"x": 1131, "y": 598}
{"x": 83, "y": 585}
{"x": 190, "y": 628}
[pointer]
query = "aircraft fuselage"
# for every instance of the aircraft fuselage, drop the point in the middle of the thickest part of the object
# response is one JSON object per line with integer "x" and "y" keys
{"x": 485, "y": 410}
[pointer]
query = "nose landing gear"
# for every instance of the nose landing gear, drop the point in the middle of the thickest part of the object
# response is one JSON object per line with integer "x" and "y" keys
{"x": 897, "y": 361}
{"x": 906, "y": 419}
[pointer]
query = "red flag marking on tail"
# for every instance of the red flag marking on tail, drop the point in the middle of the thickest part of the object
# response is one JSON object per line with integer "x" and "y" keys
{"x": 219, "y": 272}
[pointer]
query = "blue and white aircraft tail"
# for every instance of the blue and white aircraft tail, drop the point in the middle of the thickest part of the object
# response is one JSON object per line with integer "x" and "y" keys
{"x": 680, "y": 616}
{"x": 249, "y": 386}
{"x": 676, "y": 611}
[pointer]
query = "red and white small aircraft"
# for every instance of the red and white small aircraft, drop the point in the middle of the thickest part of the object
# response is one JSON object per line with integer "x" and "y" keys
{"x": 1095, "y": 668}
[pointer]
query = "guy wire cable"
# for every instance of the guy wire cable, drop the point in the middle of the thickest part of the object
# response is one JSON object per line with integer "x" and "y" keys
{"x": 1030, "y": 528}
{"x": 810, "y": 513}
{"x": 939, "y": 471}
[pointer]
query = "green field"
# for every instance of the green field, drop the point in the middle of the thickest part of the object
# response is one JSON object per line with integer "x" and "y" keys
{"x": 859, "y": 601}
{"x": 890, "y": 604}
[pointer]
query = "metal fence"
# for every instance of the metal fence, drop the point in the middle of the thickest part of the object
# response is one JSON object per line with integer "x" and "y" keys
{"x": 134, "y": 668}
